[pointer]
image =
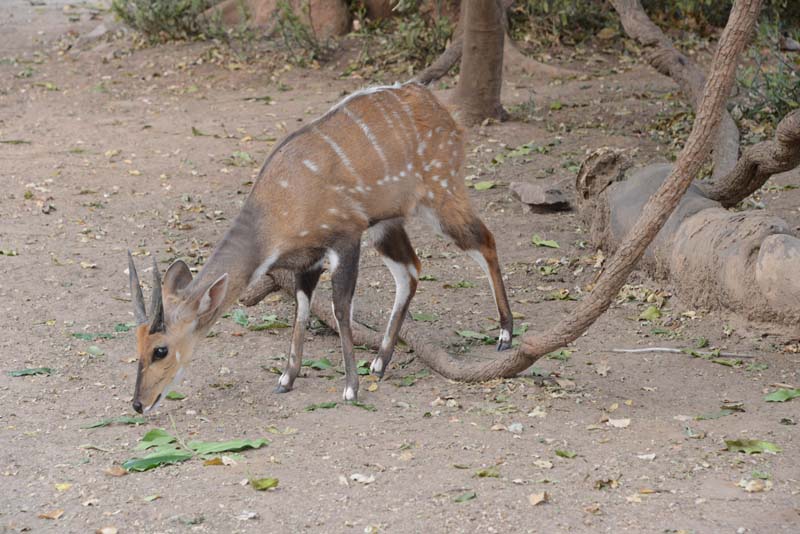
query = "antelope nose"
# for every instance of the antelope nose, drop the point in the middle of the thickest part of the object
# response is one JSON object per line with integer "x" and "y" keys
{"x": 137, "y": 406}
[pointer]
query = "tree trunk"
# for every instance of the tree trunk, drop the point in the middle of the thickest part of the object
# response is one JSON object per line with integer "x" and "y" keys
{"x": 653, "y": 216}
{"x": 481, "y": 78}
{"x": 667, "y": 60}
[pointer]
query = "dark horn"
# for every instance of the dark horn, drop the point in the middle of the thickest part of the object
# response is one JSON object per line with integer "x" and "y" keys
{"x": 156, "y": 303}
{"x": 136, "y": 292}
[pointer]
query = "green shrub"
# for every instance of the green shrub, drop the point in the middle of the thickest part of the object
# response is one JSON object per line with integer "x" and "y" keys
{"x": 164, "y": 19}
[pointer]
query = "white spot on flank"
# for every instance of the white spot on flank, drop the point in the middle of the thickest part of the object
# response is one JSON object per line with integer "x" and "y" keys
{"x": 444, "y": 184}
{"x": 436, "y": 163}
{"x": 430, "y": 195}
{"x": 435, "y": 178}
{"x": 324, "y": 226}
{"x": 333, "y": 211}
{"x": 410, "y": 166}
{"x": 303, "y": 233}
{"x": 311, "y": 165}
{"x": 430, "y": 134}
{"x": 403, "y": 174}
{"x": 284, "y": 184}
{"x": 395, "y": 179}
{"x": 421, "y": 148}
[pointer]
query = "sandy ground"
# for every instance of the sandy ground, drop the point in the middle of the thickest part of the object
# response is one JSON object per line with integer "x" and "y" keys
{"x": 109, "y": 162}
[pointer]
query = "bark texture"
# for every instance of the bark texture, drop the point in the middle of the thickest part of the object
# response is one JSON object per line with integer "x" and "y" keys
{"x": 667, "y": 60}
{"x": 742, "y": 262}
{"x": 759, "y": 162}
{"x": 652, "y": 217}
{"x": 481, "y": 78}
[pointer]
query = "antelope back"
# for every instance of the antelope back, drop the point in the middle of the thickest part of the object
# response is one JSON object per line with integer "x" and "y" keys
{"x": 379, "y": 154}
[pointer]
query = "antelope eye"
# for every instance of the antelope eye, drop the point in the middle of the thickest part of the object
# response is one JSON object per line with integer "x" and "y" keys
{"x": 159, "y": 353}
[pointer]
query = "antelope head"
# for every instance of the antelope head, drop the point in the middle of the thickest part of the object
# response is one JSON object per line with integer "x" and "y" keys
{"x": 166, "y": 337}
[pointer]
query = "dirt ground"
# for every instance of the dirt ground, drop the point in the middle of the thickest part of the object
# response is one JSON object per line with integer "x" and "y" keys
{"x": 148, "y": 149}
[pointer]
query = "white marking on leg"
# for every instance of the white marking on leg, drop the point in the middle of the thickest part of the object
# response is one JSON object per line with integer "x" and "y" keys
{"x": 505, "y": 336}
{"x": 376, "y": 367}
{"x": 311, "y": 166}
{"x": 480, "y": 260}
{"x": 402, "y": 281}
{"x": 284, "y": 379}
{"x": 265, "y": 267}
{"x": 303, "y": 308}
{"x": 349, "y": 394}
{"x": 333, "y": 264}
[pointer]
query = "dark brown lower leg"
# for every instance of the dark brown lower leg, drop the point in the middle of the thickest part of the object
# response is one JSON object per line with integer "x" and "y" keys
{"x": 397, "y": 253}
{"x": 343, "y": 282}
{"x": 305, "y": 284}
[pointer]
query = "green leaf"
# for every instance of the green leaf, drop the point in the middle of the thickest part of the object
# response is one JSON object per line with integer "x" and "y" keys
{"x": 320, "y": 406}
{"x": 236, "y": 445}
{"x": 320, "y": 365}
{"x": 471, "y": 334}
{"x": 197, "y": 133}
{"x": 174, "y": 395}
{"x": 713, "y": 415}
{"x": 156, "y": 459}
{"x": 464, "y": 497}
{"x": 14, "y": 142}
{"x": 489, "y": 472}
{"x": 560, "y": 355}
{"x": 94, "y": 350}
{"x": 463, "y": 284}
{"x": 540, "y": 242}
{"x": 483, "y": 186}
{"x": 269, "y": 322}
{"x": 556, "y": 105}
{"x": 364, "y": 406}
{"x": 117, "y": 420}
{"x": 32, "y": 371}
{"x": 761, "y": 475}
{"x": 123, "y": 327}
{"x": 424, "y": 317}
{"x": 427, "y": 278}
{"x": 362, "y": 367}
{"x": 85, "y": 336}
{"x": 650, "y": 314}
{"x": 240, "y": 317}
{"x": 782, "y": 395}
{"x": 263, "y": 484}
{"x": 565, "y": 454}
{"x": 154, "y": 438}
{"x": 751, "y": 446}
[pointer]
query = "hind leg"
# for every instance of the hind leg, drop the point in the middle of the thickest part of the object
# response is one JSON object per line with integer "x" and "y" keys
{"x": 305, "y": 283}
{"x": 391, "y": 241}
{"x": 478, "y": 242}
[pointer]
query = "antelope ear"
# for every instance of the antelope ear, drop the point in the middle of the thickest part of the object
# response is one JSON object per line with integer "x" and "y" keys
{"x": 213, "y": 297}
{"x": 176, "y": 278}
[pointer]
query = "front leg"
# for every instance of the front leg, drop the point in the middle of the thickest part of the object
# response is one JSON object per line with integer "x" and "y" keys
{"x": 305, "y": 284}
{"x": 343, "y": 282}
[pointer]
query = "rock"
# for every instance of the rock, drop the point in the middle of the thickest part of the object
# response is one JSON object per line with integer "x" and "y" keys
{"x": 327, "y": 18}
{"x": 548, "y": 197}
{"x": 378, "y": 9}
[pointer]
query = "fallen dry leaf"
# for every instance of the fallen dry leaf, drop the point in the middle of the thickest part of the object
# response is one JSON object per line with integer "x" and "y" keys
{"x": 619, "y": 423}
{"x": 55, "y": 514}
{"x": 538, "y": 498}
{"x": 116, "y": 471}
{"x": 755, "y": 485}
{"x": 106, "y": 530}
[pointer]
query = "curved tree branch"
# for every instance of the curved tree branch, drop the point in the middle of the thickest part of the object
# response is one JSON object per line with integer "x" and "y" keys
{"x": 667, "y": 60}
{"x": 759, "y": 162}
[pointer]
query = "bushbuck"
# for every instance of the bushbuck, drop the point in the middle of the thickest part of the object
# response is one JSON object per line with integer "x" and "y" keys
{"x": 377, "y": 157}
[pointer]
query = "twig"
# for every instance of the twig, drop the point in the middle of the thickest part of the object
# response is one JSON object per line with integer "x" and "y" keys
{"x": 178, "y": 436}
{"x": 687, "y": 351}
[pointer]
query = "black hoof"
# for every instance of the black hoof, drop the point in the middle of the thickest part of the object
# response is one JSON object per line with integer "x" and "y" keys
{"x": 503, "y": 345}
{"x": 282, "y": 389}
